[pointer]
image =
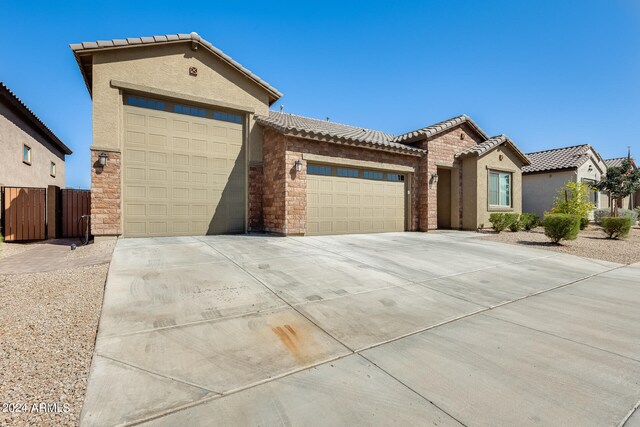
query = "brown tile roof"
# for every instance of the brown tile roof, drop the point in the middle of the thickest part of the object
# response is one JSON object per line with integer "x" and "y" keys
{"x": 558, "y": 158}
{"x": 85, "y": 48}
{"x": 9, "y": 97}
{"x": 483, "y": 148}
{"x": 438, "y": 128}
{"x": 326, "y": 131}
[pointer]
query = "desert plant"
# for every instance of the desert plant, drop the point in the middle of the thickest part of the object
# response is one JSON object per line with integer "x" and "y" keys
{"x": 499, "y": 221}
{"x": 629, "y": 213}
{"x": 573, "y": 199}
{"x": 598, "y": 214}
{"x": 616, "y": 227}
{"x": 619, "y": 182}
{"x": 559, "y": 227}
{"x": 584, "y": 222}
{"x": 529, "y": 221}
{"x": 514, "y": 222}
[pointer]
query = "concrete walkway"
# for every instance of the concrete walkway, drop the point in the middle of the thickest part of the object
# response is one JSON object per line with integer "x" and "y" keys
{"x": 48, "y": 256}
{"x": 399, "y": 328}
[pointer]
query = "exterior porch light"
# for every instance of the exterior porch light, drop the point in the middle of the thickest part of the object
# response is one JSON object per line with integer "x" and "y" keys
{"x": 434, "y": 179}
{"x": 298, "y": 165}
{"x": 102, "y": 159}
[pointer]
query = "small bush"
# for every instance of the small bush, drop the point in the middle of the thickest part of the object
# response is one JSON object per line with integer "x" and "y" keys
{"x": 514, "y": 222}
{"x": 598, "y": 214}
{"x": 616, "y": 227}
{"x": 559, "y": 227}
{"x": 498, "y": 221}
{"x": 529, "y": 221}
{"x": 584, "y": 222}
{"x": 629, "y": 213}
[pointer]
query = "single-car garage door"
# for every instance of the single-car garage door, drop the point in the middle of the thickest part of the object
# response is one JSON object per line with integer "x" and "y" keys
{"x": 184, "y": 170}
{"x": 342, "y": 200}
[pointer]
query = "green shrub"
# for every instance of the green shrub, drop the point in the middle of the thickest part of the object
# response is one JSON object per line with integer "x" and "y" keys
{"x": 584, "y": 222}
{"x": 559, "y": 227}
{"x": 499, "y": 221}
{"x": 616, "y": 227}
{"x": 502, "y": 221}
{"x": 529, "y": 221}
{"x": 514, "y": 221}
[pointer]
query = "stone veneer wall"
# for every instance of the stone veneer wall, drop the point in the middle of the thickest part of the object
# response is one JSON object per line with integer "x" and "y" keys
{"x": 256, "y": 182}
{"x": 106, "y": 195}
{"x": 442, "y": 150}
{"x": 273, "y": 199}
{"x": 285, "y": 190}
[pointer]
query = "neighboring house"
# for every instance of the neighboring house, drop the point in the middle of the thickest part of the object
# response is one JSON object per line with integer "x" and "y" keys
{"x": 31, "y": 155}
{"x": 551, "y": 169}
{"x": 192, "y": 148}
{"x": 629, "y": 202}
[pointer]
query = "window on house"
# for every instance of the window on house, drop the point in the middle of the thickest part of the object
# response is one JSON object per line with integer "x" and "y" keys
{"x": 395, "y": 177}
{"x": 52, "y": 169}
{"x": 191, "y": 111}
{"x": 353, "y": 173}
{"x": 594, "y": 196}
{"x": 26, "y": 154}
{"x": 145, "y": 103}
{"x": 373, "y": 175}
{"x": 318, "y": 170}
{"x": 500, "y": 189}
{"x": 226, "y": 117}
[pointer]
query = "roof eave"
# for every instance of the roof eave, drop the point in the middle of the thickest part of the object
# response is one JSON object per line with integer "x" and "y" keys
{"x": 35, "y": 120}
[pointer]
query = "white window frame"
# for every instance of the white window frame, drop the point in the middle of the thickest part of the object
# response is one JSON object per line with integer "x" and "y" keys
{"x": 500, "y": 173}
{"x": 27, "y": 160}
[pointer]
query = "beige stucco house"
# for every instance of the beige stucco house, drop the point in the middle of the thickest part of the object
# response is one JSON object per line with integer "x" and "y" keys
{"x": 31, "y": 155}
{"x": 191, "y": 147}
{"x": 550, "y": 170}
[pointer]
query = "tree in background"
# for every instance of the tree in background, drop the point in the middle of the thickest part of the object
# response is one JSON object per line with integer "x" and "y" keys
{"x": 574, "y": 199}
{"x": 620, "y": 182}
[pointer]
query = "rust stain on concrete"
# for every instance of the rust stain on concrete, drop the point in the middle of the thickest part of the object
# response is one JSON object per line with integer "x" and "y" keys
{"x": 289, "y": 337}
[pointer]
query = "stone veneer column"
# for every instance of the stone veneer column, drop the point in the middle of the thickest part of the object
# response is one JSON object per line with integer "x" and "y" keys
{"x": 106, "y": 195}
{"x": 296, "y": 195}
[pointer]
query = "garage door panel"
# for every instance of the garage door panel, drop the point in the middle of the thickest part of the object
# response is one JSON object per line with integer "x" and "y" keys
{"x": 339, "y": 204}
{"x": 190, "y": 181}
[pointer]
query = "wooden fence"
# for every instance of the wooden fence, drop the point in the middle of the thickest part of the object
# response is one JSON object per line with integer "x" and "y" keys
{"x": 75, "y": 203}
{"x": 24, "y": 213}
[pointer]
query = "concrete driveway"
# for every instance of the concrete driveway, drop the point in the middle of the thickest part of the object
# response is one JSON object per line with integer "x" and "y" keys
{"x": 386, "y": 329}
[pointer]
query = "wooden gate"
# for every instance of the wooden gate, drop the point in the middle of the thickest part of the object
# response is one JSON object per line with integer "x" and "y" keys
{"x": 24, "y": 213}
{"x": 75, "y": 203}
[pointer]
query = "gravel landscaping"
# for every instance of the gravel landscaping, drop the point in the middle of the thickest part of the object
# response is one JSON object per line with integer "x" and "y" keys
{"x": 8, "y": 249}
{"x": 48, "y": 325}
{"x": 591, "y": 243}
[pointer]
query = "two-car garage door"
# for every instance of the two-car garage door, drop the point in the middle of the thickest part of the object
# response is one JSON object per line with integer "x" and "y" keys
{"x": 184, "y": 170}
{"x": 343, "y": 200}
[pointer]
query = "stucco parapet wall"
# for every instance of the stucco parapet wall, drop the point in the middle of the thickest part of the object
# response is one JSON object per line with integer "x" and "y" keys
{"x": 149, "y": 90}
{"x": 359, "y": 163}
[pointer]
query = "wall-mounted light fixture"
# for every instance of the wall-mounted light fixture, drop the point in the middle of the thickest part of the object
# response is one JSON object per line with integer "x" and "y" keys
{"x": 102, "y": 159}
{"x": 298, "y": 165}
{"x": 434, "y": 180}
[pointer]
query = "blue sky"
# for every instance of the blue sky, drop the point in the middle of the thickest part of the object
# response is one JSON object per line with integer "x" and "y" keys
{"x": 546, "y": 73}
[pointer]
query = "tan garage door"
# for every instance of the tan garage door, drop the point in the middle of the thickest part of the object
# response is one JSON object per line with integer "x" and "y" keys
{"x": 344, "y": 200}
{"x": 184, "y": 170}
